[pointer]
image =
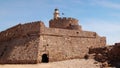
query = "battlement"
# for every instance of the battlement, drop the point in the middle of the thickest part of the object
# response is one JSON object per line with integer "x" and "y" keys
{"x": 65, "y": 23}
{"x": 66, "y": 19}
{"x": 70, "y": 33}
{"x": 20, "y": 30}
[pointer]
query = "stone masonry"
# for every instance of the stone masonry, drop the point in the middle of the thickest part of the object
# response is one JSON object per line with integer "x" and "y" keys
{"x": 35, "y": 43}
{"x": 106, "y": 54}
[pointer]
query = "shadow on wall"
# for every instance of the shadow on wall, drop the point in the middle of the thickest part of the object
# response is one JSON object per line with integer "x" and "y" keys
{"x": 19, "y": 50}
{"x": 18, "y": 44}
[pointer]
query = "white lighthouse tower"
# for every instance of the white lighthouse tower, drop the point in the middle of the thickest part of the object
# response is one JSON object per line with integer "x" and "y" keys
{"x": 56, "y": 14}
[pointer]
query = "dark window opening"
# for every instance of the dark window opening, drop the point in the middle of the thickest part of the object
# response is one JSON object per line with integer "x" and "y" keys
{"x": 45, "y": 58}
{"x": 70, "y": 24}
{"x": 47, "y": 45}
{"x": 77, "y": 32}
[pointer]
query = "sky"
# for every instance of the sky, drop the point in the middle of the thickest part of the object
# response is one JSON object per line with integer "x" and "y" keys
{"x": 101, "y": 16}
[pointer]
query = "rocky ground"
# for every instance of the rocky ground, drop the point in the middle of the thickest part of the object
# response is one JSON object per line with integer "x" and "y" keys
{"x": 75, "y": 63}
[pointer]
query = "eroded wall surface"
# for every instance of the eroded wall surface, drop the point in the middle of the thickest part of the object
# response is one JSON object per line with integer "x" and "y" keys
{"x": 62, "y": 44}
{"x": 19, "y": 44}
{"x": 26, "y": 43}
{"x": 108, "y": 54}
{"x": 65, "y": 23}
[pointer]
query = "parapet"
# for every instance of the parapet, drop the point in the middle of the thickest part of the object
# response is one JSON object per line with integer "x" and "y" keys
{"x": 65, "y": 23}
{"x": 21, "y": 30}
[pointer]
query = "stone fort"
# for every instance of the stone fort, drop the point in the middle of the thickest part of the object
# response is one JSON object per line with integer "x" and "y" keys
{"x": 35, "y": 43}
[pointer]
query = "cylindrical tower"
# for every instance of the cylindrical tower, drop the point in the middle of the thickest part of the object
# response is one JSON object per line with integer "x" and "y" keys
{"x": 56, "y": 14}
{"x": 64, "y": 23}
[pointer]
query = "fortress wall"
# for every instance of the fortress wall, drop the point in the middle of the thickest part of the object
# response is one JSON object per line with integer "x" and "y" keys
{"x": 20, "y": 50}
{"x": 28, "y": 42}
{"x": 20, "y": 30}
{"x": 19, "y": 44}
{"x": 102, "y": 41}
{"x": 65, "y": 47}
{"x": 66, "y": 32}
{"x": 62, "y": 44}
{"x": 64, "y": 23}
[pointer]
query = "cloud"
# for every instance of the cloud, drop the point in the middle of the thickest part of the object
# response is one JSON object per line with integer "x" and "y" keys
{"x": 106, "y": 3}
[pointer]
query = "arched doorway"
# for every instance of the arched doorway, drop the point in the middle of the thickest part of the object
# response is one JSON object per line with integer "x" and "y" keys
{"x": 45, "y": 58}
